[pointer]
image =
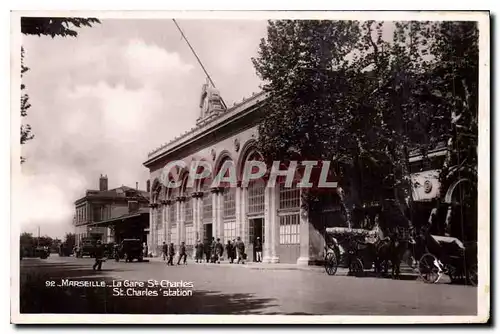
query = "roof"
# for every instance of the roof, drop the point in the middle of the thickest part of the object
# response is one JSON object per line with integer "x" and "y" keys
{"x": 138, "y": 213}
{"x": 116, "y": 193}
{"x": 415, "y": 151}
{"x": 208, "y": 126}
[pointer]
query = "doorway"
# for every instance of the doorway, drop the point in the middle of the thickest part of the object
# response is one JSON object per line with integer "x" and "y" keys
{"x": 256, "y": 231}
{"x": 207, "y": 232}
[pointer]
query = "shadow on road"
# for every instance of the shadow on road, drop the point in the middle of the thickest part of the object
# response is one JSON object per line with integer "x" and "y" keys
{"x": 402, "y": 276}
{"x": 37, "y": 297}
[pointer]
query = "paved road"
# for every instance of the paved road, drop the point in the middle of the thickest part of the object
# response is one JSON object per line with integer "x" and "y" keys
{"x": 232, "y": 290}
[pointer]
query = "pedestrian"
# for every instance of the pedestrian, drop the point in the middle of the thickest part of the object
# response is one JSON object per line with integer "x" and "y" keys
{"x": 229, "y": 251}
{"x": 219, "y": 251}
{"x": 182, "y": 253}
{"x": 164, "y": 250}
{"x": 199, "y": 251}
{"x": 258, "y": 250}
{"x": 99, "y": 253}
{"x": 213, "y": 252}
{"x": 240, "y": 249}
{"x": 206, "y": 248}
{"x": 145, "y": 248}
{"x": 171, "y": 253}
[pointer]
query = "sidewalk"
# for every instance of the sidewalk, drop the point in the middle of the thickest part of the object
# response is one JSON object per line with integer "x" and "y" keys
{"x": 250, "y": 265}
{"x": 272, "y": 266}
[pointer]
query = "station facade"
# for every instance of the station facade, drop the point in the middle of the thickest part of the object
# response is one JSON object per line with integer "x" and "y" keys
{"x": 274, "y": 214}
{"x": 254, "y": 211}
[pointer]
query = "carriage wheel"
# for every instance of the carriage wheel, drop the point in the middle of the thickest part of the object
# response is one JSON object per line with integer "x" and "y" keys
{"x": 331, "y": 264}
{"x": 356, "y": 267}
{"x": 428, "y": 270}
{"x": 472, "y": 274}
{"x": 455, "y": 276}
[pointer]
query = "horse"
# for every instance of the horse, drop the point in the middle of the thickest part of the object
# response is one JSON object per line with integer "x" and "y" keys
{"x": 392, "y": 249}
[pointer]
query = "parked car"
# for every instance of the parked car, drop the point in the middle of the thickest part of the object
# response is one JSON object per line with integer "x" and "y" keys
{"x": 65, "y": 250}
{"x": 40, "y": 252}
{"x": 130, "y": 249}
{"x": 86, "y": 248}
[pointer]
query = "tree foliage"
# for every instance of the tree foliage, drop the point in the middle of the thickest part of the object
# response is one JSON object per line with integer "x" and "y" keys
{"x": 55, "y": 26}
{"x": 46, "y": 26}
{"x": 70, "y": 240}
{"x": 25, "y": 105}
{"x": 342, "y": 91}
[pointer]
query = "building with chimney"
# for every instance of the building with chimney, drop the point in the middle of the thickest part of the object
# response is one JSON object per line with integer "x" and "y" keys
{"x": 112, "y": 214}
{"x": 289, "y": 233}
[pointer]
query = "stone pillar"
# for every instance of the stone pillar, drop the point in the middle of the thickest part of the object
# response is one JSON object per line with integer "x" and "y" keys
{"x": 220, "y": 216}
{"x": 164, "y": 221}
{"x": 267, "y": 256}
{"x": 237, "y": 202}
{"x": 304, "y": 258}
{"x": 194, "y": 207}
{"x": 151, "y": 229}
{"x": 156, "y": 251}
{"x": 109, "y": 234}
{"x": 243, "y": 216}
{"x": 168, "y": 222}
{"x": 178, "y": 219}
{"x": 275, "y": 233}
{"x": 199, "y": 226}
{"x": 182, "y": 223}
{"x": 215, "y": 212}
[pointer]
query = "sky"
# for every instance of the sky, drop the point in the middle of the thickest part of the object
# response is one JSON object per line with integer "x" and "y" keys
{"x": 102, "y": 101}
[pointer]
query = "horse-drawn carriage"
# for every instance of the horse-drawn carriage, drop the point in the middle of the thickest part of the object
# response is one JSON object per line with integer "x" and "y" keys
{"x": 448, "y": 255}
{"x": 359, "y": 249}
{"x": 355, "y": 249}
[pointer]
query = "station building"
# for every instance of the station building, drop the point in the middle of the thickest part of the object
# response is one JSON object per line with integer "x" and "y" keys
{"x": 275, "y": 215}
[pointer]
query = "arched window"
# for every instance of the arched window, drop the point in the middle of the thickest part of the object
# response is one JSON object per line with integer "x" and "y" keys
{"x": 256, "y": 189}
{"x": 289, "y": 218}
{"x": 173, "y": 214}
{"x": 229, "y": 213}
{"x": 229, "y": 200}
{"x": 188, "y": 214}
{"x": 228, "y": 205}
{"x": 207, "y": 201}
{"x": 256, "y": 193}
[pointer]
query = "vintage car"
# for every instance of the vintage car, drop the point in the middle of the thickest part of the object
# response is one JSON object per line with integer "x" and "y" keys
{"x": 40, "y": 252}
{"x": 129, "y": 249}
{"x": 65, "y": 250}
{"x": 86, "y": 248}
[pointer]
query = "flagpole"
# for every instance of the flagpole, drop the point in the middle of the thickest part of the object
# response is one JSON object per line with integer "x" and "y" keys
{"x": 199, "y": 61}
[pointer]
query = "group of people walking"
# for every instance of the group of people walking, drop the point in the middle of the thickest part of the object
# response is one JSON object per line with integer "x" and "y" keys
{"x": 211, "y": 251}
{"x": 169, "y": 253}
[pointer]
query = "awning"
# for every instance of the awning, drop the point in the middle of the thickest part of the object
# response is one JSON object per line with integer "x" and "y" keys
{"x": 115, "y": 220}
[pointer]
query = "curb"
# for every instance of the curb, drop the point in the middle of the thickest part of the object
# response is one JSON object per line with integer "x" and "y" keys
{"x": 273, "y": 266}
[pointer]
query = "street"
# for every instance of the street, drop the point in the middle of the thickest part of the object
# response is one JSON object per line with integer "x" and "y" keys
{"x": 230, "y": 289}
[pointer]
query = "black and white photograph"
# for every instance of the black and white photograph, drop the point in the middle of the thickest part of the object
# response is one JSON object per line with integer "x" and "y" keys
{"x": 250, "y": 167}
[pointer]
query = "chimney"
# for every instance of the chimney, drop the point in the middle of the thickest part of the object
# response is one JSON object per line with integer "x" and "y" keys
{"x": 137, "y": 186}
{"x": 148, "y": 185}
{"x": 103, "y": 183}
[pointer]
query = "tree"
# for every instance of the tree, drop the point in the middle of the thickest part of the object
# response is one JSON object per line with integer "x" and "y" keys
{"x": 48, "y": 26}
{"x": 339, "y": 91}
{"x": 55, "y": 26}
{"x": 26, "y": 239}
{"x": 70, "y": 240}
{"x": 457, "y": 82}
